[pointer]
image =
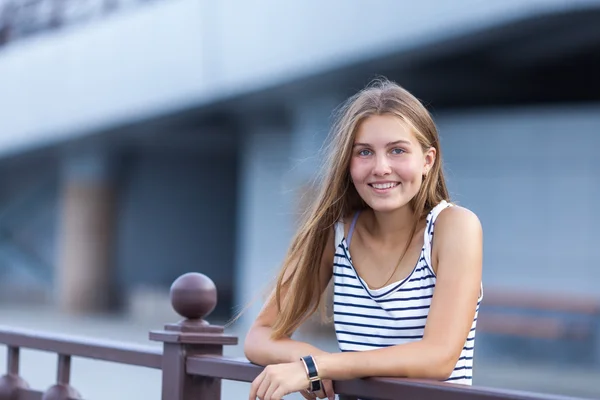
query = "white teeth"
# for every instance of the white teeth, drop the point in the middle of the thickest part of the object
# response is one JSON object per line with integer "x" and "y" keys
{"x": 384, "y": 185}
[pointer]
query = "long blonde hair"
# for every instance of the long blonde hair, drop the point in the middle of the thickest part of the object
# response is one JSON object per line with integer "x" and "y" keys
{"x": 337, "y": 197}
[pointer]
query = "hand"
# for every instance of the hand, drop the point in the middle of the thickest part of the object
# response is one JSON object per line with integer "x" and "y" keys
{"x": 279, "y": 380}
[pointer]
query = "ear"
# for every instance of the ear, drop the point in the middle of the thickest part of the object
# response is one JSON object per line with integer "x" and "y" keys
{"x": 430, "y": 155}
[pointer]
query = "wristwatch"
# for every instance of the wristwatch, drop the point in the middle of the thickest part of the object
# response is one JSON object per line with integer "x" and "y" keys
{"x": 312, "y": 373}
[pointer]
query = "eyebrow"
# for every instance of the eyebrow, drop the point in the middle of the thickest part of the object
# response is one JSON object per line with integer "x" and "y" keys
{"x": 401, "y": 141}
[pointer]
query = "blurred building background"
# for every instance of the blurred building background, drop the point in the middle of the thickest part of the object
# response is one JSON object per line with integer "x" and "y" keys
{"x": 143, "y": 139}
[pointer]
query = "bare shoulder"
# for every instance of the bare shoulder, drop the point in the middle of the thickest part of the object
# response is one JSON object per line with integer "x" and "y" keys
{"x": 458, "y": 240}
{"x": 457, "y": 221}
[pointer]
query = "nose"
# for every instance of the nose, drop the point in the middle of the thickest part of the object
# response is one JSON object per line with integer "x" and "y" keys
{"x": 382, "y": 166}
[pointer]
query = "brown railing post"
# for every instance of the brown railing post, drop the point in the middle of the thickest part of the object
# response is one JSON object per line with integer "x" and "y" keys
{"x": 12, "y": 382}
{"x": 63, "y": 389}
{"x": 193, "y": 296}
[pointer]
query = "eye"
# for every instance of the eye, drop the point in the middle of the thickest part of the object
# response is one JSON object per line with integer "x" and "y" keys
{"x": 398, "y": 151}
{"x": 364, "y": 152}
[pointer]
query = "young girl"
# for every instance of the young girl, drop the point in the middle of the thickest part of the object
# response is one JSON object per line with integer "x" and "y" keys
{"x": 405, "y": 305}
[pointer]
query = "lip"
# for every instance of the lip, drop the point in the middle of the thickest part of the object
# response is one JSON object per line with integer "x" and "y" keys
{"x": 381, "y": 182}
{"x": 376, "y": 190}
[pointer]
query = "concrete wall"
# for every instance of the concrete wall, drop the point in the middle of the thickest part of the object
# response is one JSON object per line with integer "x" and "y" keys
{"x": 177, "y": 214}
{"x": 28, "y": 222}
{"x": 532, "y": 177}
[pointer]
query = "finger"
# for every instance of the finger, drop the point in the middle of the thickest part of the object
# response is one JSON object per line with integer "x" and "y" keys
{"x": 320, "y": 394}
{"x": 269, "y": 394}
{"x": 308, "y": 395}
{"x": 264, "y": 386}
{"x": 327, "y": 386}
{"x": 255, "y": 386}
{"x": 278, "y": 394}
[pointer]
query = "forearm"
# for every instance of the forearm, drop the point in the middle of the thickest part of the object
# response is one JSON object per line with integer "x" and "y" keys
{"x": 260, "y": 349}
{"x": 411, "y": 360}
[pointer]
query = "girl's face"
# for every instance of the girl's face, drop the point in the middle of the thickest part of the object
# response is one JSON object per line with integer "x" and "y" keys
{"x": 388, "y": 163}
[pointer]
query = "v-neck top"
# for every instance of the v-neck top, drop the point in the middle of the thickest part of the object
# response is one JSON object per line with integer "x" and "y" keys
{"x": 367, "y": 319}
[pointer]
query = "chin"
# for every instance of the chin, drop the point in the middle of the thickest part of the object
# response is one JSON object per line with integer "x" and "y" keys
{"x": 386, "y": 207}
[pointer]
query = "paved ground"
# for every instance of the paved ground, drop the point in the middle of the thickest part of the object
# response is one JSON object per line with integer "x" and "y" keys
{"x": 103, "y": 380}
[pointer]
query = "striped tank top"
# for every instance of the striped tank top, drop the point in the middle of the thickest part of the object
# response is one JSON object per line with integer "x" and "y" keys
{"x": 367, "y": 319}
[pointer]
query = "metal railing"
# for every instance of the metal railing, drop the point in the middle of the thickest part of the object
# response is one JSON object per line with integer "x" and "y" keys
{"x": 192, "y": 361}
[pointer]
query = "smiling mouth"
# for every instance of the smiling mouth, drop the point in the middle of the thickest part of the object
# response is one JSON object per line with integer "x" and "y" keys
{"x": 383, "y": 186}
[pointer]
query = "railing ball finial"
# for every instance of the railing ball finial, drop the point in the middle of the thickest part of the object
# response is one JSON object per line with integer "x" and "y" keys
{"x": 10, "y": 385}
{"x": 61, "y": 392}
{"x": 193, "y": 296}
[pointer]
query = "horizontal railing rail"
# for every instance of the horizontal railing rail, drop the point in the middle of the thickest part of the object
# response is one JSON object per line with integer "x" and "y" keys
{"x": 13, "y": 387}
{"x": 97, "y": 349}
{"x": 240, "y": 369}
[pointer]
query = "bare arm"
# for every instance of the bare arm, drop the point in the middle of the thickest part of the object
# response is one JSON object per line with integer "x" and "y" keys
{"x": 458, "y": 256}
{"x": 259, "y": 348}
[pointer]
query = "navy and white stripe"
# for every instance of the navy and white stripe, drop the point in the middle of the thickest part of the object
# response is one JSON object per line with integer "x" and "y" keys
{"x": 368, "y": 319}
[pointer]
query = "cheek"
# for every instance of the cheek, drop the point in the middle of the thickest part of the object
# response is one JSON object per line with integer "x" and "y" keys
{"x": 408, "y": 169}
{"x": 357, "y": 169}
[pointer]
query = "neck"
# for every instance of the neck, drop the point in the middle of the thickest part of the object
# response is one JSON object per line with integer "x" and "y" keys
{"x": 393, "y": 225}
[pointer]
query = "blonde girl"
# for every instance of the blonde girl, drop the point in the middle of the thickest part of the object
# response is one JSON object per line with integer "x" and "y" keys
{"x": 405, "y": 305}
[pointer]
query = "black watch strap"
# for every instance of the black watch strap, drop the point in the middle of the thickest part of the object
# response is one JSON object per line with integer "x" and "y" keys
{"x": 312, "y": 372}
